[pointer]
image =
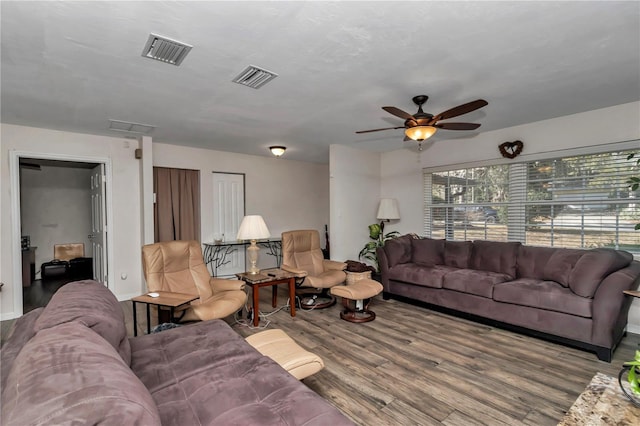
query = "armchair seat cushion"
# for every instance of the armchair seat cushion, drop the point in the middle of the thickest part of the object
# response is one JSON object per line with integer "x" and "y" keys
{"x": 219, "y": 305}
{"x": 325, "y": 279}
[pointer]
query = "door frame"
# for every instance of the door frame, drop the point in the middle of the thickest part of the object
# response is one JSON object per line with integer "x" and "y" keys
{"x": 14, "y": 170}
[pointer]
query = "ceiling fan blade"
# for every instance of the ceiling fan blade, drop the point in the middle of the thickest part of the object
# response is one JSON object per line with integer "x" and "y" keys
{"x": 398, "y": 112}
{"x": 377, "y": 130}
{"x": 457, "y": 126}
{"x": 460, "y": 109}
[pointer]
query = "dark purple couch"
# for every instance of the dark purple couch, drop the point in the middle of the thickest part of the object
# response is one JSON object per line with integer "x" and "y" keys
{"x": 72, "y": 363}
{"x": 566, "y": 295}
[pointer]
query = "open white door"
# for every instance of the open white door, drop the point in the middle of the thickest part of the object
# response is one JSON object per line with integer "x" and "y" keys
{"x": 98, "y": 234}
{"x": 228, "y": 211}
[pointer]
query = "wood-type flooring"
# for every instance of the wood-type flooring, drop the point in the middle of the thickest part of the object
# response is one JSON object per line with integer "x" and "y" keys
{"x": 413, "y": 366}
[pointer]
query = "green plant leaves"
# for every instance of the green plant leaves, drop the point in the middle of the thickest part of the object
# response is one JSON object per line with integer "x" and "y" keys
{"x": 374, "y": 231}
{"x": 632, "y": 376}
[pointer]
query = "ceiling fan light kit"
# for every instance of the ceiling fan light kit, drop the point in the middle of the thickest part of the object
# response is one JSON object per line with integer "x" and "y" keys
{"x": 421, "y": 125}
{"x": 420, "y": 133}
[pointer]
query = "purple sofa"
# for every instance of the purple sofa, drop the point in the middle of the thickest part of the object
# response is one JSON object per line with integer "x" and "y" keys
{"x": 72, "y": 363}
{"x": 568, "y": 296}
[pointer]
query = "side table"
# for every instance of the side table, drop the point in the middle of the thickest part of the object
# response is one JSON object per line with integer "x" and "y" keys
{"x": 166, "y": 299}
{"x": 269, "y": 277}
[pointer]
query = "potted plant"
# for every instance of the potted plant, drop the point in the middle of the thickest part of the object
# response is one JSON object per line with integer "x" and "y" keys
{"x": 378, "y": 238}
{"x": 632, "y": 388}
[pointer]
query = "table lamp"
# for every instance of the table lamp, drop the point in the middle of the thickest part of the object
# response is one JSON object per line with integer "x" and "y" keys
{"x": 253, "y": 228}
{"x": 388, "y": 209}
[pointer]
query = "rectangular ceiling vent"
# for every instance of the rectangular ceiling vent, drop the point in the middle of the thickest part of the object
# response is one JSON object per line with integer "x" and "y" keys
{"x": 254, "y": 77}
{"x": 165, "y": 50}
{"x": 126, "y": 126}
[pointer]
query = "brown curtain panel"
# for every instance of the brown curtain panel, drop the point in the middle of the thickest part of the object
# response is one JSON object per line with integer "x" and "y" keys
{"x": 177, "y": 208}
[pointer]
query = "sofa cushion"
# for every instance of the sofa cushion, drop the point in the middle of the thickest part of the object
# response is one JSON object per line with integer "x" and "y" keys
{"x": 21, "y": 332}
{"x": 70, "y": 375}
{"x": 593, "y": 266}
{"x": 427, "y": 251}
{"x": 548, "y": 295}
{"x": 479, "y": 283}
{"x": 560, "y": 265}
{"x": 206, "y": 374}
{"x": 457, "y": 253}
{"x": 532, "y": 261}
{"x": 93, "y": 305}
{"x": 495, "y": 256}
{"x": 398, "y": 250}
{"x": 427, "y": 276}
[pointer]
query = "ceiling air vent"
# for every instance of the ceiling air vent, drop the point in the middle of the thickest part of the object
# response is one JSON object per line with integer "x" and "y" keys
{"x": 254, "y": 77}
{"x": 126, "y": 126}
{"x": 165, "y": 50}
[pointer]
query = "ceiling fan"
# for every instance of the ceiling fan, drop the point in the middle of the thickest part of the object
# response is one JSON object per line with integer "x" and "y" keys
{"x": 422, "y": 125}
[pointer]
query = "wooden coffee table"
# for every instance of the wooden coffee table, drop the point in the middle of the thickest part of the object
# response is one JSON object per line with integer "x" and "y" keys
{"x": 269, "y": 277}
{"x": 166, "y": 299}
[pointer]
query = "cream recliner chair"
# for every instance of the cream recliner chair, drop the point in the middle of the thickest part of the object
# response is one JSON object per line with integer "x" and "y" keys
{"x": 178, "y": 266}
{"x": 302, "y": 255}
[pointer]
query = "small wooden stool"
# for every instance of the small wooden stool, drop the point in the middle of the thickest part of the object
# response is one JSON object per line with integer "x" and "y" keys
{"x": 359, "y": 292}
{"x": 281, "y": 348}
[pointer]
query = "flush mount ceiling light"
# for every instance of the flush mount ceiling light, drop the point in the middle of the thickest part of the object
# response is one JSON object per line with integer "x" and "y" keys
{"x": 165, "y": 50}
{"x": 129, "y": 127}
{"x": 277, "y": 150}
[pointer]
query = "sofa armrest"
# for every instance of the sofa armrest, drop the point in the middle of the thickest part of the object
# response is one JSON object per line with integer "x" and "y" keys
{"x": 383, "y": 265}
{"x": 299, "y": 272}
{"x": 219, "y": 284}
{"x": 332, "y": 264}
{"x": 611, "y": 306}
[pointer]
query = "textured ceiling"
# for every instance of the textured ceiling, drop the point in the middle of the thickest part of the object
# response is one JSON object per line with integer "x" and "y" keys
{"x": 75, "y": 65}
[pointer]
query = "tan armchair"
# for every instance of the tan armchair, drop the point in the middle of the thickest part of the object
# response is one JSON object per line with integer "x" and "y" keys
{"x": 302, "y": 255}
{"x": 178, "y": 266}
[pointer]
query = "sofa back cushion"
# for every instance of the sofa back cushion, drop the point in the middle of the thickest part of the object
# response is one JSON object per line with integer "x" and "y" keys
{"x": 70, "y": 375}
{"x": 427, "y": 251}
{"x": 94, "y": 306}
{"x": 593, "y": 266}
{"x": 21, "y": 332}
{"x": 547, "y": 263}
{"x": 495, "y": 256}
{"x": 561, "y": 264}
{"x": 398, "y": 250}
{"x": 457, "y": 253}
{"x": 532, "y": 261}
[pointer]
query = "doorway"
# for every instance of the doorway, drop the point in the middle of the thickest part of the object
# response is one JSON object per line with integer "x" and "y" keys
{"x": 57, "y": 200}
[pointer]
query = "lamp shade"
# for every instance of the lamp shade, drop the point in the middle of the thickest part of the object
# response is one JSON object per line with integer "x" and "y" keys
{"x": 420, "y": 133}
{"x": 253, "y": 228}
{"x": 388, "y": 209}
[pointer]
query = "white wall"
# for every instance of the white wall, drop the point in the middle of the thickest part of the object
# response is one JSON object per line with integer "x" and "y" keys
{"x": 401, "y": 178}
{"x": 56, "y": 209}
{"x": 611, "y": 125}
{"x": 604, "y": 126}
{"x": 125, "y": 226}
{"x": 355, "y": 194}
{"x": 288, "y": 194}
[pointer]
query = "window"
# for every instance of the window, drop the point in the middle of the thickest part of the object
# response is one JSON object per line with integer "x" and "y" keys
{"x": 580, "y": 201}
